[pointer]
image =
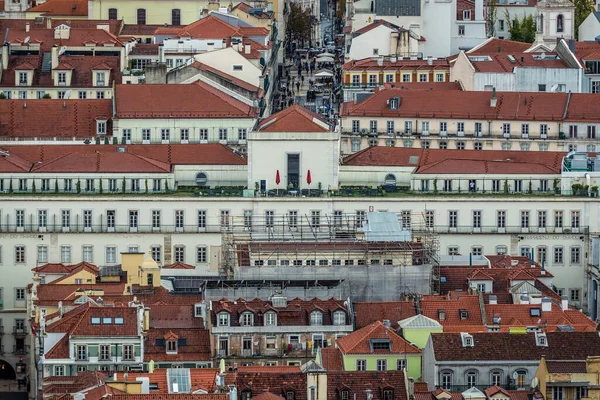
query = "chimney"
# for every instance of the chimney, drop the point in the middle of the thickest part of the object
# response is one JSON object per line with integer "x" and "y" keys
{"x": 546, "y": 304}
{"x": 380, "y": 61}
{"x": 27, "y": 27}
{"x": 494, "y": 99}
{"x": 479, "y": 10}
{"x": 161, "y": 53}
{"x": 429, "y": 60}
{"x": 411, "y": 387}
{"x": 493, "y": 299}
{"x": 564, "y": 303}
{"x": 5, "y": 56}
{"x": 524, "y": 299}
{"x": 48, "y": 23}
{"x": 54, "y": 56}
{"x": 247, "y": 48}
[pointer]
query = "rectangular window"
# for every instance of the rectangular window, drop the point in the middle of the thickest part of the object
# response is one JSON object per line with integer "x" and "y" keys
{"x": 20, "y": 254}
{"x": 575, "y": 255}
{"x": 165, "y": 134}
{"x": 558, "y": 393}
{"x": 141, "y": 16}
{"x": 558, "y": 219}
{"x": 156, "y": 185}
{"x": 524, "y": 219}
{"x": 429, "y": 218}
{"x": 201, "y": 254}
{"x": 476, "y": 219}
{"x": 110, "y": 219}
{"x": 361, "y": 365}
{"x": 111, "y": 255}
{"x": 20, "y": 218}
{"x": 135, "y": 185}
{"x": 575, "y": 219}
{"x": 541, "y": 219}
{"x": 453, "y": 219}
{"x": 558, "y": 255}
{"x": 223, "y": 134}
{"x": 87, "y": 218}
{"x": 506, "y": 129}
{"x": 146, "y": 135}
{"x": 224, "y": 218}
{"x": 373, "y": 126}
{"x": 293, "y": 219}
{"x": 381, "y": 365}
{"x": 202, "y": 219}
{"x": 66, "y": 218}
{"x": 104, "y": 352}
{"x": 501, "y": 219}
{"x": 390, "y": 127}
{"x": 574, "y": 295}
{"x": 127, "y": 351}
{"x": 65, "y": 254}
{"x": 315, "y": 218}
{"x": 179, "y": 254}
{"x": 156, "y": 219}
{"x": 42, "y": 254}
{"x": 443, "y": 128}
{"x": 156, "y": 253}
{"x": 184, "y": 134}
{"x": 45, "y": 185}
{"x": 461, "y": 30}
{"x": 408, "y": 127}
{"x": 242, "y": 134}
{"x": 88, "y": 254}
{"x": 355, "y": 126}
{"x": 179, "y": 219}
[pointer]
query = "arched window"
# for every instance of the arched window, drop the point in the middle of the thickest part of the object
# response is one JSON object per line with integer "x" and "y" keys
{"x": 176, "y": 16}
{"x": 496, "y": 378}
{"x": 339, "y": 318}
{"x": 560, "y": 23}
{"x": 141, "y": 16}
{"x": 201, "y": 178}
{"x": 446, "y": 379}
{"x": 247, "y": 319}
{"x": 316, "y": 318}
{"x": 112, "y": 13}
{"x": 521, "y": 378}
{"x": 471, "y": 378}
{"x": 390, "y": 179}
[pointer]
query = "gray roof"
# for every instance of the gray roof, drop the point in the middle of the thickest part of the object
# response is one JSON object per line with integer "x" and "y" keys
{"x": 597, "y": 15}
{"x": 384, "y": 227}
{"x": 419, "y": 321}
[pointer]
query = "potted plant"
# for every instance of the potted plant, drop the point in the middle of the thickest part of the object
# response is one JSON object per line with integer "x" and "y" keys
{"x": 594, "y": 191}
{"x": 556, "y": 186}
{"x": 506, "y": 186}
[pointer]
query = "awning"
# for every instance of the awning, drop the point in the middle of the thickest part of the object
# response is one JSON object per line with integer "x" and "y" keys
{"x": 325, "y": 55}
{"x": 323, "y": 74}
{"x": 325, "y": 59}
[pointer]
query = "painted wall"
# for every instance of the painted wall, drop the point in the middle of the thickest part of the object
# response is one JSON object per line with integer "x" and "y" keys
{"x": 157, "y": 12}
{"x": 413, "y": 363}
{"x": 419, "y": 336}
{"x": 589, "y": 29}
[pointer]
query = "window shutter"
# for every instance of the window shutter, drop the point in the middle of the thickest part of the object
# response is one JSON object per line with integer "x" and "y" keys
{"x": 181, "y": 342}
{"x": 159, "y": 342}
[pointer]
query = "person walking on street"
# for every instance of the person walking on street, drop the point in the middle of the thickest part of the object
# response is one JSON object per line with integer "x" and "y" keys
{"x": 298, "y": 86}
{"x": 302, "y": 79}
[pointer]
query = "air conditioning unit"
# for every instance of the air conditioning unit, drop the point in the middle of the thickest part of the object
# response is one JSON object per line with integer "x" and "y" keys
{"x": 363, "y": 131}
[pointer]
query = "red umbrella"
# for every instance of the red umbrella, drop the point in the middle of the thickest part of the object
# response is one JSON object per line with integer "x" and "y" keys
{"x": 308, "y": 178}
{"x": 277, "y": 179}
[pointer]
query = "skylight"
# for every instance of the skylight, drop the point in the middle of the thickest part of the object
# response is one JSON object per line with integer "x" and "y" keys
{"x": 179, "y": 380}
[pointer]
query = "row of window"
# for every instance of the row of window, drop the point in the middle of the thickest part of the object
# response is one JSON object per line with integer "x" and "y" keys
{"x": 270, "y": 318}
{"x": 374, "y": 79}
{"x": 558, "y": 253}
{"x": 493, "y": 185}
{"x": 471, "y": 378}
{"x": 141, "y": 14}
{"x": 61, "y": 94}
{"x": 526, "y": 217}
{"x": 62, "y": 78}
{"x": 323, "y": 262}
{"x": 19, "y": 294}
{"x": 110, "y": 255}
{"x": 104, "y": 352}
{"x": 85, "y": 185}
{"x": 184, "y": 134}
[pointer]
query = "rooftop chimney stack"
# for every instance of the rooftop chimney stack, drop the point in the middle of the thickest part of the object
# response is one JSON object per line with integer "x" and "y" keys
{"x": 546, "y": 304}
{"x": 494, "y": 99}
{"x": 247, "y": 48}
{"x": 564, "y": 303}
{"x": 27, "y": 27}
{"x": 5, "y": 56}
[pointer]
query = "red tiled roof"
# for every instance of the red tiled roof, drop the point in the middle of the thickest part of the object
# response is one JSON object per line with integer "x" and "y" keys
{"x": 143, "y": 30}
{"x": 60, "y": 350}
{"x": 421, "y": 387}
{"x": 267, "y": 396}
{"x": 375, "y": 24}
{"x": 369, "y": 312}
{"x": 50, "y": 118}
{"x": 253, "y": 31}
{"x": 170, "y": 396}
{"x": 359, "y": 342}
{"x": 164, "y": 101}
{"x": 175, "y": 316}
{"x": 246, "y": 8}
{"x": 74, "y": 269}
{"x": 84, "y": 327}
{"x": 201, "y": 379}
{"x": 55, "y": 293}
{"x": 504, "y": 346}
{"x": 68, "y": 8}
{"x": 566, "y": 367}
{"x": 231, "y": 78}
{"x": 150, "y": 49}
{"x": 52, "y": 268}
{"x": 78, "y": 37}
{"x": 542, "y": 106}
{"x": 489, "y": 392}
{"x": 277, "y": 383}
{"x": 495, "y": 45}
{"x": 501, "y": 62}
{"x": 452, "y": 307}
{"x": 138, "y": 158}
{"x": 369, "y": 64}
{"x": 196, "y": 348}
{"x": 358, "y": 382}
{"x": 520, "y": 315}
{"x": 275, "y": 369}
{"x": 297, "y": 312}
{"x": 294, "y": 119}
{"x": 179, "y": 265}
{"x": 331, "y": 359}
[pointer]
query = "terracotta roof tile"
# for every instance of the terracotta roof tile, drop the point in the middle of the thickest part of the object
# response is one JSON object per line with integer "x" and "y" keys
{"x": 359, "y": 342}
{"x": 164, "y": 101}
{"x": 294, "y": 119}
{"x": 521, "y": 315}
{"x": 60, "y": 350}
{"x": 196, "y": 348}
{"x": 246, "y": 8}
{"x": 501, "y": 62}
{"x": 566, "y": 367}
{"x": 369, "y": 312}
{"x": 179, "y": 265}
{"x": 62, "y": 8}
{"x": 143, "y": 30}
{"x": 297, "y": 312}
{"x": 175, "y": 316}
{"x": 276, "y": 383}
{"x": 77, "y": 119}
{"x": 275, "y": 369}
{"x": 52, "y": 268}
{"x": 267, "y": 396}
{"x": 150, "y": 49}
{"x": 541, "y": 106}
{"x": 453, "y": 308}
{"x": 171, "y": 396}
{"x": 77, "y": 37}
{"x": 230, "y": 78}
{"x": 369, "y": 64}
{"x": 504, "y": 346}
{"x": 493, "y": 45}
{"x": 331, "y": 359}
{"x": 358, "y": 382}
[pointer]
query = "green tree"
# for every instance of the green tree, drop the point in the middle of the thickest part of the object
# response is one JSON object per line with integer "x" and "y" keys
{"x": 521, "y": 30}
{"x": 491, "y": 17}
{"x": 583, "y": 8}
{"x": 299, "y": 24}
{"x": 514, "y": 27}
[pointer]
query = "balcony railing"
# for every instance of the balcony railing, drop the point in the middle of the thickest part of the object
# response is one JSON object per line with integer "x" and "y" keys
{"x": 21, "y": 350}
{"x": 19, "y": 330}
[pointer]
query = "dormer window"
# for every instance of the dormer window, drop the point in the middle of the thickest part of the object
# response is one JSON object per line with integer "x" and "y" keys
{"x": 339, "y": 318}
{"x": 441, "y": 315}
{"x": 467, "y": 340}
{"x": 247, "y": 319}
{"x": 381, "y": 344}
{"x": 541, "y": 340}
{"x": 394, "y": 103}
{"x": 62, "y": 78}
{"x": 171, "y": 346}
{"x": 223, "y": 319}
{"x": 316, "y": 318}
{"x": 100, "y": 78}
{"x": 101, "y": 127}
{"x": 23, "y": 78}
{"x": 463, "y": 314}
{"x": 270, "y": 318}
{"x": 466, "y": 15}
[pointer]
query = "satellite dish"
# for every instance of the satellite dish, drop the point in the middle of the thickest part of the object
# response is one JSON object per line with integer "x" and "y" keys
{"x": 62, "y": 50}
{"x": 515, "y": 375}
{"x": 534, "y": 382}
{"x": 27, "y": 39}
{"x": 68, "y": 94}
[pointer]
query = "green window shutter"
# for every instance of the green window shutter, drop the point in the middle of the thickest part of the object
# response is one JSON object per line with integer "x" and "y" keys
{"x": 119, "y": 350}
{"x": 137, "y": 350}
{"x": 93, "y": 350}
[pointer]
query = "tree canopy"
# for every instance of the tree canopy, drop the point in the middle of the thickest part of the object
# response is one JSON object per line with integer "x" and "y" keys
{"x": 299, "y": 22}
{"x": 583, "y": 8}
{"x": 522, "y": 30}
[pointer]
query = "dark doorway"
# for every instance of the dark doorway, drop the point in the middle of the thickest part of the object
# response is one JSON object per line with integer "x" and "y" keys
{"x": 293, "y": 170}
{"x": 6, "y": 371}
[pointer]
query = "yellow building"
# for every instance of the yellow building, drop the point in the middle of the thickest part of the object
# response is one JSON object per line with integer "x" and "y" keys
{"x": 569, "y": 380}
